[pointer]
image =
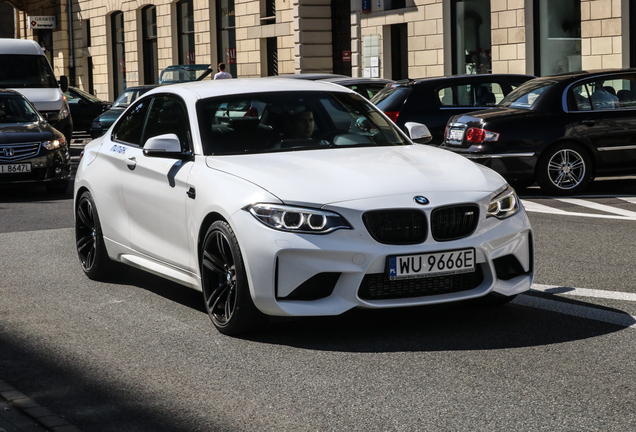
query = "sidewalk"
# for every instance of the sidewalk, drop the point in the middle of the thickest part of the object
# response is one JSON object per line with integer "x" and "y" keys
{"x": 20, "y": 413}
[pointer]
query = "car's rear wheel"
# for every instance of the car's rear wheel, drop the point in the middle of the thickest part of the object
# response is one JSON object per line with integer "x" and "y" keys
{"x": 564, "y": 169}
{"x": 225, "y": 286}
{"x": 89, "y": 242}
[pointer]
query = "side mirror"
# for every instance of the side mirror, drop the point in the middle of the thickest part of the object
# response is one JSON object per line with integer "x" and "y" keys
{"x": 82, "y": 102}
{"x": 165, "y": 146}
{"x": 64, "y": 83}
{"x": 418, "y": 132}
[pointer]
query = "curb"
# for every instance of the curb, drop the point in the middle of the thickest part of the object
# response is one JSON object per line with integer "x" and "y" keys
{"x": 20, "y": 413}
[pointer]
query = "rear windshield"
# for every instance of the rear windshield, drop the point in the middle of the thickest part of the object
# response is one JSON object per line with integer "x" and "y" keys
{"x": 527, "y": 95}
{"x": 391, "y": 98}
{"x": 26, "y": 71}
{"x": 289, "y": 121}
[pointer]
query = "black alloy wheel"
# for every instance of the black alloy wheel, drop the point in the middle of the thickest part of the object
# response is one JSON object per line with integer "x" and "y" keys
{"x": 225, "y": 287}
{"x": 89, "y": 241}
{"x": 564, "y": 169}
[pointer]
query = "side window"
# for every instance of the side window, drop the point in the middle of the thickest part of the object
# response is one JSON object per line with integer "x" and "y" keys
{"x": 488, "y": 94}
{"x": 129, "y": 128}
{"x": 604, "y": 94}
{"x": 445, "y": 96}
{"x": 167, "y": 115}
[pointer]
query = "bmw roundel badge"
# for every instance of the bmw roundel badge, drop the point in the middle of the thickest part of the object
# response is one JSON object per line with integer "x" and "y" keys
{"x": 421, "y": 200}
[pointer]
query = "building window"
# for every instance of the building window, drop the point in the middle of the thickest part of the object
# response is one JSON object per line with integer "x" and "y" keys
{"x": 268, "y": 12}
{"x": 150, "y": 56}
{"x": 226, "y": 35}
{"x": 557, "y": 36}
{"x": 272, "y": 56}
{"x": 394, "y": 4}
{"x": 470, "y": 36}
{"x": 632, "y": 35}
{"x": 87, "y": 26}
{"x": 185, "y": 29}
{"x": 399, "y": 52}
{"x": 341, "y": 37}
{"x": 119, "y": 53}
{"x": 7, "y": 20}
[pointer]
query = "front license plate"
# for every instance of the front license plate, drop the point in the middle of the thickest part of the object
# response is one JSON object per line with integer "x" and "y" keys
{"x": 433, "y": 264}
{"x": 15, "y": 168}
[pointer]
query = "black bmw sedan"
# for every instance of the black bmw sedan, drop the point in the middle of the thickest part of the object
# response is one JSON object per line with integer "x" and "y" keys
{"x": 31, "y": 150}
{"x": 559, "y": 131}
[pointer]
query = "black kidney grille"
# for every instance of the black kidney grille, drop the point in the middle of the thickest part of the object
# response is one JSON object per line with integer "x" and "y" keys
{"x": 379, "y": 287}
{"x": 452, "y": 223}
{"x": 396, "y": 226}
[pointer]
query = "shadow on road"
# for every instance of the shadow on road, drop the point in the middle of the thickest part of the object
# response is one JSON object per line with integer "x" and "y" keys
{"x": 446, "y": 327}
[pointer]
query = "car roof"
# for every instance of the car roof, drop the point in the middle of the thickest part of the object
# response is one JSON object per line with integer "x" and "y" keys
{"x": 188, "y": 67}
{"x": 211, "y": 88}
{"x": 20, "y": 46}
{"x": 311, "y": 76}
{"x": 584, "y": 74}
{"x": 362, "y": 80}
{"x": 450, "y": 78}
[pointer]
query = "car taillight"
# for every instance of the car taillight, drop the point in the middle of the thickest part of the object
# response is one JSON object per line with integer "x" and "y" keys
{"x": 393, "y": 115}
{"x": 478, "y": 135}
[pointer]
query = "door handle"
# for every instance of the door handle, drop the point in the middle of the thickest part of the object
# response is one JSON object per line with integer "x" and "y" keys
{"x": 588, "y": 122}
{"x": 192, "y": 193}
{"x": 131, "y": 163}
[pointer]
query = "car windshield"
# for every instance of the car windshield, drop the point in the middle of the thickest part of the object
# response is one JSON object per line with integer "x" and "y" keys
{"x": 26, "y": 71}
{"x": 526, "y": 95}
{"x": 77, "y": 94}
{"x": 14, "y": 109}
{"x": 128, "y": 97}
{"x": 179, "y": 74}
{"x": 283, "y": 121}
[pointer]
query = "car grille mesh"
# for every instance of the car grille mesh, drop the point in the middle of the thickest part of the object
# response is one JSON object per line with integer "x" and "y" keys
{"x": 452, "y": 223}
{"x": 380, "y": 287}
{"x": 16, "y": 152}
{"x": 396, "y": 226}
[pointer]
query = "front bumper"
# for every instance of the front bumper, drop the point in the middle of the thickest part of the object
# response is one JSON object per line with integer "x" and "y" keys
{"x": 283, "y": 267}
{"x": 46, "y": 166}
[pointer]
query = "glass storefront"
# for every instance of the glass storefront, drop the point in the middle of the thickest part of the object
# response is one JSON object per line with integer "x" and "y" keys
{"x": 185, "y": 24}
{"x": 558, "y": 36}
{"x": 119, "y": 53}
{"x": 226, "y": 36}
{"x": 151, "y": 64}
{"x": 471, "y": 36}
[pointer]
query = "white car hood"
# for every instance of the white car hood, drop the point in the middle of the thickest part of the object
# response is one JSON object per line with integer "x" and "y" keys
{"x": 337, "y": 175}
{"x": 44, "y": 99}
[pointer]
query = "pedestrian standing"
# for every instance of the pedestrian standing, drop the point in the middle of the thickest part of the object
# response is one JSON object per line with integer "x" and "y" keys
{"x": 222, "y": 74}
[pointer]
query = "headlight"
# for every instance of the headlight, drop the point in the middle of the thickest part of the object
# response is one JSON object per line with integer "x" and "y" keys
{"x": 96, "y": 124}
{"x": 52, "y": 145}
{"x": 64, "y": 112}
{"x": 296, "y": 219}
{"x": 504, "y": 205}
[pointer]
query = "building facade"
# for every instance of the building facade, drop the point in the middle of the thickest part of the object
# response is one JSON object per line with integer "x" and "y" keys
{"x": 105, "y": 46}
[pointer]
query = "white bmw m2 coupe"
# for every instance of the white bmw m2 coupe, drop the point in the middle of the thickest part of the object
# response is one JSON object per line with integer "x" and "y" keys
{"x": 294, "y": 198}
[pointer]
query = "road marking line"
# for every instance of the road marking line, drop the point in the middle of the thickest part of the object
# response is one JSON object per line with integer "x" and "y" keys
{"x": 628, "y": 199}
{"x": 597, "y": 206}
{"x": 617, "y": 318}
{"x": 584, "y": 292}
{"x": 534, "y": 207}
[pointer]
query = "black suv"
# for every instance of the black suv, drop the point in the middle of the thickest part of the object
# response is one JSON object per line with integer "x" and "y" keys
{"x": 432, "y": 101}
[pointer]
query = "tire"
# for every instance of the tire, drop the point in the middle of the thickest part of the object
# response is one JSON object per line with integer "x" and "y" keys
{"x": 57, "y": 187}
{"x": 225, "y": 288}
{"x": 89, "y": 242}
{"x": 564, "y": 169}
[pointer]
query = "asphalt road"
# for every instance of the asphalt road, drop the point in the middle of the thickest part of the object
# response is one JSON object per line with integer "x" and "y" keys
{"x": 139, "y": 353}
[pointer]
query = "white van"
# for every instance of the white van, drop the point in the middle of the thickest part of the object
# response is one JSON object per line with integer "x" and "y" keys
{"x": 25, "y": 68}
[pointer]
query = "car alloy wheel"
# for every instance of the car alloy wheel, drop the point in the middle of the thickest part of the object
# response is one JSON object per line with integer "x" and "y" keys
{"x": 564, "y": 169}
{"x": 225, "y": 287}
{"x": 89, "y": 241}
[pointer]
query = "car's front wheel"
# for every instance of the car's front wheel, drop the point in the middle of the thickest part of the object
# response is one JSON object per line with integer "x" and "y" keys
{"x": 564, "y": 169}
{"x": 225, "y": 286}
{"x": 89, "y": 241}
